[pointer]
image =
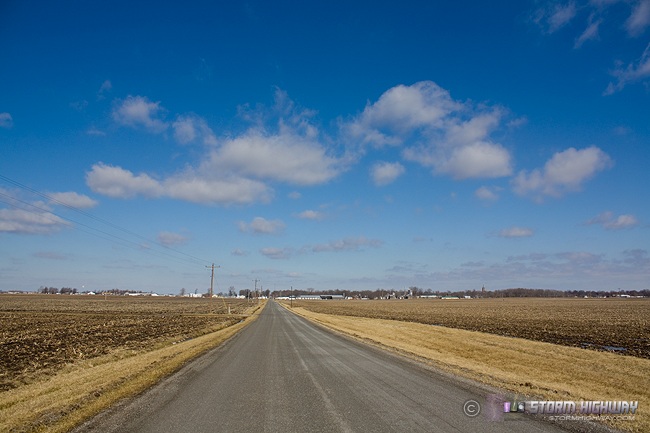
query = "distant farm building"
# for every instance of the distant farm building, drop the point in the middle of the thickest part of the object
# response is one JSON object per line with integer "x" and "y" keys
{"x": 319, "y": 297}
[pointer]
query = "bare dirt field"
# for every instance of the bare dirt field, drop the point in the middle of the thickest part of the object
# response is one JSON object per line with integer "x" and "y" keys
{"x": 614, "y": 325}
{"x": 41, "y": 334}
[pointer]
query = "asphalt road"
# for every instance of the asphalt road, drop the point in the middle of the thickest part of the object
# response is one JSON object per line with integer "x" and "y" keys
{"x": 284, "y": 374}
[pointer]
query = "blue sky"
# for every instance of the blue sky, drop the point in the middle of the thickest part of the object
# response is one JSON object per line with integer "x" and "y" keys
{"x": 326, "y": 145}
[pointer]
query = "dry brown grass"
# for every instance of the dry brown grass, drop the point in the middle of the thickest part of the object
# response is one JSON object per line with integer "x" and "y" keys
{"x": 56, "y": 402}
{"x": 596, "y": 324}
{"x": 521, "y": 366}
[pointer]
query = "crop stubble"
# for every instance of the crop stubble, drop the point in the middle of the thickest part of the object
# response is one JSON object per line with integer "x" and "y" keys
{"x": 616, "y": 325}
{"x": 40, "y": 334}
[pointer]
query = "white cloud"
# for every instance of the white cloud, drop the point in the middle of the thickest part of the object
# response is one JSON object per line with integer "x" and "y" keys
{"x": 117, "y": 182}
{"x": 103, "y": 89}
{"x": 347, "y": 244}
{"x": 564, "y": 270}
{"x": 611, "y": 222}
{"x": 487, "y": 193}
{"x": 383, "y": 173}
{"x": 565, "y": 172}
{"x": 96, "y": 132}
{"x": 399, "y": 111}
{"x": 6, "y": 121}
{"x": 285, "y": 157}
{"x": 554, "y": 16}
{"x": 635, "y": 71}
{"x": 30, "y": 222}
{"x": 190, "y": 127}
{"x": 516, "y": 232}
{"x": 475, "y": 160}
{"x": 560, "y": 16}
{"x": 277, "y": 253}
{"x": 138, "y": 111}
{"x": 261, "y": 225}
{"x": 436, "y": 131}
{"x": 639, "y": 18}
{"x": 311, "y": 215}
{"x": 591, "y": 32}
{"x": 169, "y": 239}
{"x": 204, "y": 189}
{"x": 239, "y": 252}
{"x": 73, "y": 199}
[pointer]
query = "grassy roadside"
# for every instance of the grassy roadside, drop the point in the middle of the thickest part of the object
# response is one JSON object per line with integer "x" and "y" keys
{"x": 65, "y": 400}
{"x": 522, "y": 367}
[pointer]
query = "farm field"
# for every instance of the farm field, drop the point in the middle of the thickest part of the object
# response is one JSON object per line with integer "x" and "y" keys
{"x": 42, "y": 334}
{"x": 614, "y": 325}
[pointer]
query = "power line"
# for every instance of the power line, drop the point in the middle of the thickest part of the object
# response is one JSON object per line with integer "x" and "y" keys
{"x": 96, "y": 218}
{"x": 107, "y": 236}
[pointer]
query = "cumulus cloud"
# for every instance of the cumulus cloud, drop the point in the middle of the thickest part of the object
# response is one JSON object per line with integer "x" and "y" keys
{"x": 451, "y": 137}
{"x": 204, "y": 189}
{"x": 285, "y": 157}
{"x": 311, "y": 215}
{"x": 283, "y": 145}
{"x": 487, "y": 193}
{"x": 117, "y": 182}
{"x": 22, "y": 221}
{"x": 6, "y": 121}
{"x": 565, "y": 172}
{"x": 399, "y": 111}
{"x": 516, "y": 232}
{"x": 611, "y": 222}
{"x": 139, "y": 112}
{"x": 169, "y": 239}
{"x": 383, "y": 173}
{"x": 190, "y": 127}
{"x": 261, "y": 225}
{"x": 73, "y": 199}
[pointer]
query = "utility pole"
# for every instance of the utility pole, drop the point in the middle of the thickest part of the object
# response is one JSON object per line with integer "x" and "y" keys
{"x": 212, "y": 278}
{"x": 291, "y": 297}
{"x": 256, "y": 280}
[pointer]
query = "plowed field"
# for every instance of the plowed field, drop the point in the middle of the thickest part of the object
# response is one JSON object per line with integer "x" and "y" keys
{"x": 615, "y": 325}
{"x": 40, "y": 334}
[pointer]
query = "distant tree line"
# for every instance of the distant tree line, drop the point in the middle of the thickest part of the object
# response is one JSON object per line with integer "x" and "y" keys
{"x": 412, "y": 291}
{"x": 54, "y": 290}
{"x": 74, "y": 291}
{"x": 503, "y": 293}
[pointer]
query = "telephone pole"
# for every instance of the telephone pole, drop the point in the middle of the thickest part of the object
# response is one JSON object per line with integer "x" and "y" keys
{"x": 212, "y": 278}
{"x": 255, "y": 280}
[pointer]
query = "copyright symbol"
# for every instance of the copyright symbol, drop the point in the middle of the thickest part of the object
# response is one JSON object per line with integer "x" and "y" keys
{"x": 471, "y": 408}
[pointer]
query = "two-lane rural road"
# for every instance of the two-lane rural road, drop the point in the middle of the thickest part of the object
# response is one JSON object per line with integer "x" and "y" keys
{"x": 284, "y": 374}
